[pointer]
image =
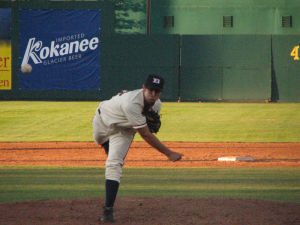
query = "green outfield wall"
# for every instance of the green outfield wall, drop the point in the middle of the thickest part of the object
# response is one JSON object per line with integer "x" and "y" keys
{"x": 206, "y": 17}
{"x": 231, "y": 67}
{"x": 285, "y": 69}
{"x": 127, "y": 59}
{"x": 256, "y": 59}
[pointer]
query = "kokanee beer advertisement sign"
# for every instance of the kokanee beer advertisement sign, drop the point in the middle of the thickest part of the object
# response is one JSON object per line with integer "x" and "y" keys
{"x": 60, "y": 49}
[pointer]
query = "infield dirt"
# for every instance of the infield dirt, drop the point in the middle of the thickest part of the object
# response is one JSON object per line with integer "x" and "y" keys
{"x": 142, "y": 155}
{"x": 152, "y": 211}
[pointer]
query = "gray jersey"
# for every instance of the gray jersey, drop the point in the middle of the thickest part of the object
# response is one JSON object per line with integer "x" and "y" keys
{"x": 125, "y": 110}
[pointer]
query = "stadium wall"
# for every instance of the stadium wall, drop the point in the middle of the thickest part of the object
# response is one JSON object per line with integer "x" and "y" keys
{"x": 254, "y": 60}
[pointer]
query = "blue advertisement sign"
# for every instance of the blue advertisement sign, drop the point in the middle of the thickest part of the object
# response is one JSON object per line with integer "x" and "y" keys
{"x": 59, "y": 49}
{"x": 5, "y": 28}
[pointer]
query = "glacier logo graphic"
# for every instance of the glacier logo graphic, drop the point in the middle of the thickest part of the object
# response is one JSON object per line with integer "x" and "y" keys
{"x": 57, "y": 52}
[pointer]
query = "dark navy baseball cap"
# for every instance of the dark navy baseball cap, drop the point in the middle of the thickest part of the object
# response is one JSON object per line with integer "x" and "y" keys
{"x": 154, "y": 82}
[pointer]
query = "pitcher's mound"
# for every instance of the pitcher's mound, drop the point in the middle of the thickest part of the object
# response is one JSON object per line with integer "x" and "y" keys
{"x": 163, "y": 211}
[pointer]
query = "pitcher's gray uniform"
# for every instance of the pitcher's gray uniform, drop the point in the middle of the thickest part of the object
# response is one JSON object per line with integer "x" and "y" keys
{"x": 114, "y": 125}
{"x": 116, "y": 120}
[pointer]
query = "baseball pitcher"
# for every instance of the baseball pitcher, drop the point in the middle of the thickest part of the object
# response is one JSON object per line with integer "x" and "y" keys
{"x": 114, "y": 125}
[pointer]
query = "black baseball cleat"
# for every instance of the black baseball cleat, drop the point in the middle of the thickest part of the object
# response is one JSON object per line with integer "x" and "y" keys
{"x": 108, "y": 214}
{"x": 105, "y": 145}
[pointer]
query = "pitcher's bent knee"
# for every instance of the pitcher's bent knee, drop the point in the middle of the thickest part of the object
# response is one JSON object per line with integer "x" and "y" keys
{"x": 113, "y": 171}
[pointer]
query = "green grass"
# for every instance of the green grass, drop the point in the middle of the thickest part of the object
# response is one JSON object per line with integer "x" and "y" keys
{"x": 221, "y": 122}
{"x": 196, "y": 122}
{"x": 46, "y": 121}
{"x": 20, "y": 183}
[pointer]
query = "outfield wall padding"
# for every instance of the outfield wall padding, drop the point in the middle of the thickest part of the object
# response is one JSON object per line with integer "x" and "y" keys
{"x": 128, "y": 59}
{"x": 196, "y": 67}
{"x": 229, "y": 67}
{"x": 285, "y": 70}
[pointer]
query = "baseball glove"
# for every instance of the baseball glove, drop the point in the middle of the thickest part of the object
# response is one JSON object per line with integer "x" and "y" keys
{"x": 153, "y": 120}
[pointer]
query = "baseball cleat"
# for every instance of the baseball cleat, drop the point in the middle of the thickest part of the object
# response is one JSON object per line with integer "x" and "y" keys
{"x": 108, "y": 214}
